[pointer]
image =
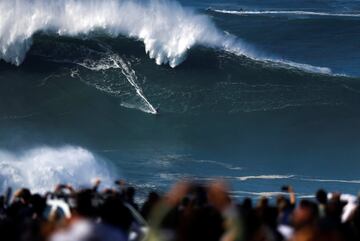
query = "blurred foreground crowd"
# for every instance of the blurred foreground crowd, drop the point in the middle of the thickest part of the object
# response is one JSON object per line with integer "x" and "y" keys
{"x": 189, "y": 211}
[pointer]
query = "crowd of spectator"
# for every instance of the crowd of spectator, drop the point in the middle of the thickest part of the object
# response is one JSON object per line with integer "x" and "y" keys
{"x": 188, "y": 212}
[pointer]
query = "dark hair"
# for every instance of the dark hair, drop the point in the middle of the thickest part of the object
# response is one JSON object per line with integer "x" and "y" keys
{"x": 38, "y": 204}
{"x": 130, "y": 192}
{"x": 321, "y": 196}
{"x": 114, "y": 212}
{"x": 83, "y": 200}
{"x": 24, "y": 194}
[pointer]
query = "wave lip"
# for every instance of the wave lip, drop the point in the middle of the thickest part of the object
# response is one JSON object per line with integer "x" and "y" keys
{"x": 166, "y": 28}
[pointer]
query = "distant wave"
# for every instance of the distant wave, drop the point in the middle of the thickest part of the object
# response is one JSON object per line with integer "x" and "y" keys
{"x": 268, "y": 194}
{"x": 273, "y": 177}
{"x": 42, "y": 168}
{"x": 266, "y": 177}
{"x": 262, "y": 194}
{"x": 167, "y": 29}
{"x": 17, "y": 117}
{"x": 171, "y": 159}
{"x": 286, "y": 12}
{"x": 222, "y": 164}
{"x": 331, "y": 180}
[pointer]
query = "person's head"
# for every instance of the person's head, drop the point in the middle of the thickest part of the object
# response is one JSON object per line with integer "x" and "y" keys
{"x": 153, "y": 197}
{"x": 130, "y": 193}
{"x": 321, "y": 196}
{"x": 218, "y": 195}
{"x": 2, "y": 201}
{"x": 334, "y": 207}
{"x": 282, "y": 203}
{"x": 247, "y": 204}
{"x": 23, "y": 195}
{"x": 199, "y": 194}
{"x": 115, "y": 213}
{"x": 263, "y": 202}
{"x": 83, "y": 202}
{"x": 38, "y": 204}
{"x": 199, "y": 222}
{"x": 305, "y": 214}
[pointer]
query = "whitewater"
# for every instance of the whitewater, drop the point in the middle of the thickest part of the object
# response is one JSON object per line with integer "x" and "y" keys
{"x": 39, "y": 168}
{"x": 287, "y": 12}
{"x": 167, "y": 29}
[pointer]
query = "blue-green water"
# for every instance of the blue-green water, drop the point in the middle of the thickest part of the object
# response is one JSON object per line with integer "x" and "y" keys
{"x": 263, "y": 93}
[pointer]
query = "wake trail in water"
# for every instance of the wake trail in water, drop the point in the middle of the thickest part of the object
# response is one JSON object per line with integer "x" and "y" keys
{"x": 131, "y": 77}
{"x": 113, "y": 61}
{"x": 167, "y": 29}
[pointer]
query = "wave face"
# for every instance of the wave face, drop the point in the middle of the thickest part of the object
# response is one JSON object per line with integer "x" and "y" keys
{"x": 167, "y": 29}
{"x": 40, "y": 169}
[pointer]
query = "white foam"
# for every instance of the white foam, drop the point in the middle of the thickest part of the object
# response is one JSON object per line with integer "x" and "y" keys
{"x": 287, "y": 12}
{"x": 261, "y": 194}
{"x": 42, "y": 168}
{"x": 167, "y": 29}
{"x": 265, "y": 177}
{"x": 331, "y": 180}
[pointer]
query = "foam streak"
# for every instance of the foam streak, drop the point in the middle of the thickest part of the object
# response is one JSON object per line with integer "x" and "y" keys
{"x": 287, "y": 12}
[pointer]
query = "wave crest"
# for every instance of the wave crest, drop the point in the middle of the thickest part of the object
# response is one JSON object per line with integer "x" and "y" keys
{"x": 167, "y": 29}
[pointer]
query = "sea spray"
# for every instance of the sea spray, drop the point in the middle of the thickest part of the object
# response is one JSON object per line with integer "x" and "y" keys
{"x": 42, "y": 168}
{"x": 167, "y": 29}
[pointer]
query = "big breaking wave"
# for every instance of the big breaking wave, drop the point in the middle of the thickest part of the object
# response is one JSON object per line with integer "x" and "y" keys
{"x": 167, "y": 29}
{"x": 41, "y": 168}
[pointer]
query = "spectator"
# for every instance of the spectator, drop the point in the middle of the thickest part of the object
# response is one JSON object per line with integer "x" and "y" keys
{"x": 188, "y": 212}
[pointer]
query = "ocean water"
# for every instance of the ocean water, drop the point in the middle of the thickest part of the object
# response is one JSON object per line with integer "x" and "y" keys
{"x": 259, "y": 93}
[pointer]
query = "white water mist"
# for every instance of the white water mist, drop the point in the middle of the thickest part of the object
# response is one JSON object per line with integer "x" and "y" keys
{"x": 41, "y": 168}
{"x": 166, "y": 28}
